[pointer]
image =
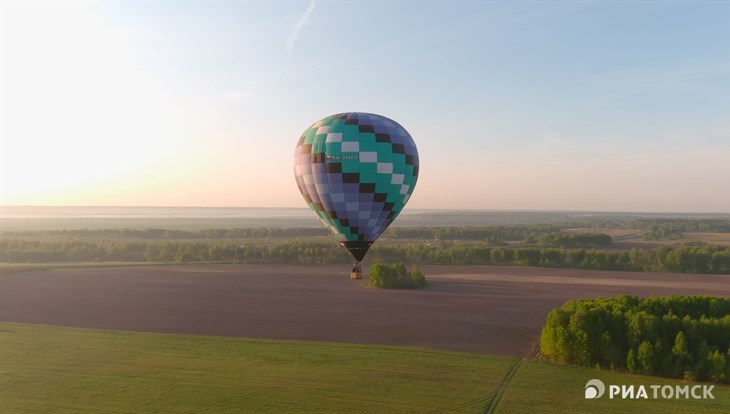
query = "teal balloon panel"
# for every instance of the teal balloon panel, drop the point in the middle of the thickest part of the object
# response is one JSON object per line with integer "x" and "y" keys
{"x": 356, "y": 171}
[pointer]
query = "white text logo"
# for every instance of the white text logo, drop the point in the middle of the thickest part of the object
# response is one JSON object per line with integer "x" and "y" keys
{"x": 595, "y": 389}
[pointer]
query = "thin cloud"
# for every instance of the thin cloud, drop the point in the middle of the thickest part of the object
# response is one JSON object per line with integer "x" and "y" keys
{"x": 298, "y": 28}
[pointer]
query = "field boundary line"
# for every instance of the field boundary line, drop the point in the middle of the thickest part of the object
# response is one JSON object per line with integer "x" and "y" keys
{"x": 492, "y": 406}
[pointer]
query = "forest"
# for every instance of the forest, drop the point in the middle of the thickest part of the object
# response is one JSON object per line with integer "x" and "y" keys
{"x": 560, "y": 244}
{"x": 699, "y": 259}
{"x": 684, "y": 337}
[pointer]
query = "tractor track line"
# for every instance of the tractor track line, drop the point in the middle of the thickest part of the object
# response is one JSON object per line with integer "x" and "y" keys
{"x": 492, "y": 406}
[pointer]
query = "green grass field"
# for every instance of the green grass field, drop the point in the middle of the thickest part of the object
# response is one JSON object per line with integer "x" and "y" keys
{"x": 542, "y": 387}
{"x": 55, "y": 369}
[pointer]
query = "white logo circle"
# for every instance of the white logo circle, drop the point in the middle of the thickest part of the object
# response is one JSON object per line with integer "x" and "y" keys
{"x": 594, "y": 389}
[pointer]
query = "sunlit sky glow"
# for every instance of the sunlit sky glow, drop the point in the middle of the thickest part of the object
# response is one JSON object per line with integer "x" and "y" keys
{"x": 619, "y": 106}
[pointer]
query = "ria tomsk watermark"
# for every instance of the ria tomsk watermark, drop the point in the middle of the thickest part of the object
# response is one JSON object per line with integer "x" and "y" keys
{"x": 595, "y": 388}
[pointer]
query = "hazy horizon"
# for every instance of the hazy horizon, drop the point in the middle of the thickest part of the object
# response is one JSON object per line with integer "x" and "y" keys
{"x": 555, "y": 106}
{"x": 33, "y": 210}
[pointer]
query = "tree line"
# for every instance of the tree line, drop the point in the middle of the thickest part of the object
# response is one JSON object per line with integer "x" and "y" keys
{"x": 495, "y": 234}
{"x": 704, "y": 259}
{"x": 677, "y": 336}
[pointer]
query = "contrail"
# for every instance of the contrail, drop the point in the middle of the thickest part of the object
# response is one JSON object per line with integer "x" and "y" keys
{"x": 298, "y": 28}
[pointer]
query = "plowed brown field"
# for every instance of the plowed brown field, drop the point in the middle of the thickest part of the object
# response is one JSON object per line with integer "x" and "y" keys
{"x": 495, "y": 310}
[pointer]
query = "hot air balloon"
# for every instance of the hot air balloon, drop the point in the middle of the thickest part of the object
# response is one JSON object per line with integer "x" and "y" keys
{"x": 356, "y": 171}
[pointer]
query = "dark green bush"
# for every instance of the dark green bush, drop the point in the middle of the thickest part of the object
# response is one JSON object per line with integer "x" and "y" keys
{"x": 395, "y": 277}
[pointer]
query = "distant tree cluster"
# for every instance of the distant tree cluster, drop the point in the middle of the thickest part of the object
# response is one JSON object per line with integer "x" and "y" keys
{"x": 677, "y": 336}
{"x": 673, "y": 229}
{"x": 395, "y": 277}
{"x": 495, "y": 235}
{"x": 705, "y": 259}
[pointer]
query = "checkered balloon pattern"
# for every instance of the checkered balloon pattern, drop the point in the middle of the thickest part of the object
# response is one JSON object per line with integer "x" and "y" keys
{"x": 356, "y": 171}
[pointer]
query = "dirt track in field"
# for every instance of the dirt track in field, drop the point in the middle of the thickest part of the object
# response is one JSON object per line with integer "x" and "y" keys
{"x": 495, "y": 310}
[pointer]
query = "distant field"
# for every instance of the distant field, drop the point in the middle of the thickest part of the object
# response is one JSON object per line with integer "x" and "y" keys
{"x": 627, "y": 238}
{"x": 46, "y": 369}
{"x": 614, "y": 233}
{"x": 689, "y": 239}
{"x": 52, "y": 369}
{"x": 709, "y": 238}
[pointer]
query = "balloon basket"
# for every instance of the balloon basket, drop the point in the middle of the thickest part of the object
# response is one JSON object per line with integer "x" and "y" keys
{"x": 356, "y": 274}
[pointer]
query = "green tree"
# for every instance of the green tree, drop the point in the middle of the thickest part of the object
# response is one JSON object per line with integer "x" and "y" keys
{"x": 417, "y": 277}
{"x": 702, "y": 362}
{"x": 553, "y": 257}
{"x": 718, "y": 366}
{"x": 577, "y": 257}
{"x": 645, "y": 358}
{"x": 681, "y": 353}
{"x": 631, "y": 361}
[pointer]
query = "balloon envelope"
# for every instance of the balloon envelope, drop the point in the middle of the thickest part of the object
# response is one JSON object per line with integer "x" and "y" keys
{"x": 356, "y": 171}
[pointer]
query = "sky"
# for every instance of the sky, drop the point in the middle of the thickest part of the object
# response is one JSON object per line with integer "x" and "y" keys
{"x": 602, "y": 106}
